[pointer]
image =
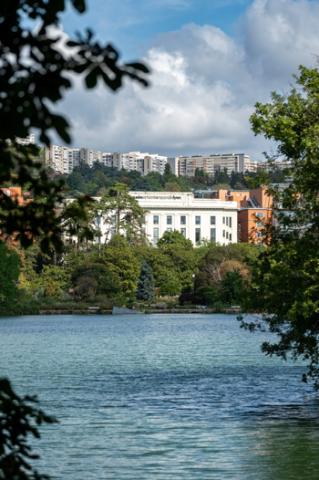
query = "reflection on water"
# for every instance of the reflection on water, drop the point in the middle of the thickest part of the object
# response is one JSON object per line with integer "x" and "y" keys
{"x": 162, "y": 397}
{"x": 286, "y": 450}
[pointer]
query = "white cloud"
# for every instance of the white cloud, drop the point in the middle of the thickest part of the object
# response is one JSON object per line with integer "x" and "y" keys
{"x": 279, "y": 35}
{"x": 204, "y": 85}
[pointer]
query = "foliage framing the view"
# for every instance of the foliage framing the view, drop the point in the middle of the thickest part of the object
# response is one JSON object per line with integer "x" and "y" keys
{"x": 19, "y": 418}
{"x": 285, "y": 284}
{"x": 36, "y": 63}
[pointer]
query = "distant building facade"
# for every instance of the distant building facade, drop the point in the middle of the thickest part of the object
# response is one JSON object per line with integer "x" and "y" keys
{"x": 141, "y": 162}
{"x": 255, "y": 211}
{"x": 198, "y": 220}
{"x": 210, "y": 164}
{"x": 29, "y": 140}
{"x": 89, "y": 157}
{"x": 280, "y": 164}
{"x": 62, "y": 159}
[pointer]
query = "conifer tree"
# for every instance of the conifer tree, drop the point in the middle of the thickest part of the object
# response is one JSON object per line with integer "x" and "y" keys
{"x": 145, "y": 288}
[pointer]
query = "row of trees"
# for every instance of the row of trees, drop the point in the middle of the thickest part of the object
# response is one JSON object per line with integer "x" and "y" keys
{"x": 96, "y": 180}
{"x": 122, "y": 272}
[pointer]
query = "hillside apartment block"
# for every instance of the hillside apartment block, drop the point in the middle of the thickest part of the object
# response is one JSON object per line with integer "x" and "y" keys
{"x": 186, "y": 166}
{"x": 65, "y": 159}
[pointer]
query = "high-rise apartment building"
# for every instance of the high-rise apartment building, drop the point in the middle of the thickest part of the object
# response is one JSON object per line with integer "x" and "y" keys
{"x": 232, "y": 162}
{"x": 132, "y": 161}
{"x": 89, "y": 157}
{"x": 62, "y": 159}
{"x": 107, "y": 159}
{"x": 154, "y": 163}
{"x": 139, "y": 162}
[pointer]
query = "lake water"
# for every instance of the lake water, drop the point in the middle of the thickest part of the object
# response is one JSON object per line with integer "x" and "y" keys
{"x": 163, "y": 397}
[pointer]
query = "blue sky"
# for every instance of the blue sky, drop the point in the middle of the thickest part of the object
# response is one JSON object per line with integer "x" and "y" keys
{"x": 211, "y": 61}
{"x": 132, "y": 24}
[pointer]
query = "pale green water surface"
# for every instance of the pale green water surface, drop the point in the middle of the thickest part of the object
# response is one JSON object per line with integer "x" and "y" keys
{"x": 163, "y": 397}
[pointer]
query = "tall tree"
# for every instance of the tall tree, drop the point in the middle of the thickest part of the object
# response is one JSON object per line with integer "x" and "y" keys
{"x": 121, "y": 213}
{"x": 182, "y": 256}
{"x": 285, "y": 285}
{"x": 120, "y": 258}
{"x": 79, "y": 221}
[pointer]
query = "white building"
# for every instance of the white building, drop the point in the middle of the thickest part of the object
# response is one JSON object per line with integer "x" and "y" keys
{"x": 279, "y": 164}
{"x": 132, "y": 161}
{"x": 140, "y": 162}
{"x": 62, "y": 159}
{"x": 231, "y": 162}
{"x": 196, "y": 218}
{"x": 29, "y": 140}
{"x": 89, "y": 157}
{"x": 173, "y": 163}
{"x": 107, "y": 159}
{"x": 154, "y": 163}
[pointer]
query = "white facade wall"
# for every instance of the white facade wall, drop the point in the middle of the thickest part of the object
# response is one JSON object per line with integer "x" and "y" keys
{"x": 140, "y": 162}
{"x": 129, "y": 161}
{"x": 89, "y": 157}
{"x": 107, "y": 159}
{"x": 154, "y": 163}
{"x": 62, "y": 159}
{"x": 277, "y": 164}
{"x": 29, "y": 140}
{"x": 73, "y": 158}
{"x": 173, "y": 163}
{"x": 197, "y": 219}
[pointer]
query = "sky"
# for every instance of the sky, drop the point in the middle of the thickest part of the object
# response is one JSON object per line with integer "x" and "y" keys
{"x": 211, "y": 61}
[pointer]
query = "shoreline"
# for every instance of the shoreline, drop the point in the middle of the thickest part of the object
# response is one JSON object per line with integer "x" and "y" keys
{"x": 147, "y": 311}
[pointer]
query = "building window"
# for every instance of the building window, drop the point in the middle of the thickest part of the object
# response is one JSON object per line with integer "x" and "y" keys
{"x": 213, "y": 220}
{"x": 223, "y": 233}
{"x": 227, "y": 221}
{"x": 230, "y": 237}
{"x": 223, "y": 220}
{"x": 169, "y": 219}
{"x": 197, "y": 220}
{"x": 183, "y": 219}
{"x": 259, "y": 214}
{"x": 183, "y": 232}
{"x": 213, "y": 235}
{"x": 227, "y": 235}
{"x": 230, "y": 222}
{"x": 197, "y": 236}
{"x": 155, "y": 235}
{"x": 155, "y": 219}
